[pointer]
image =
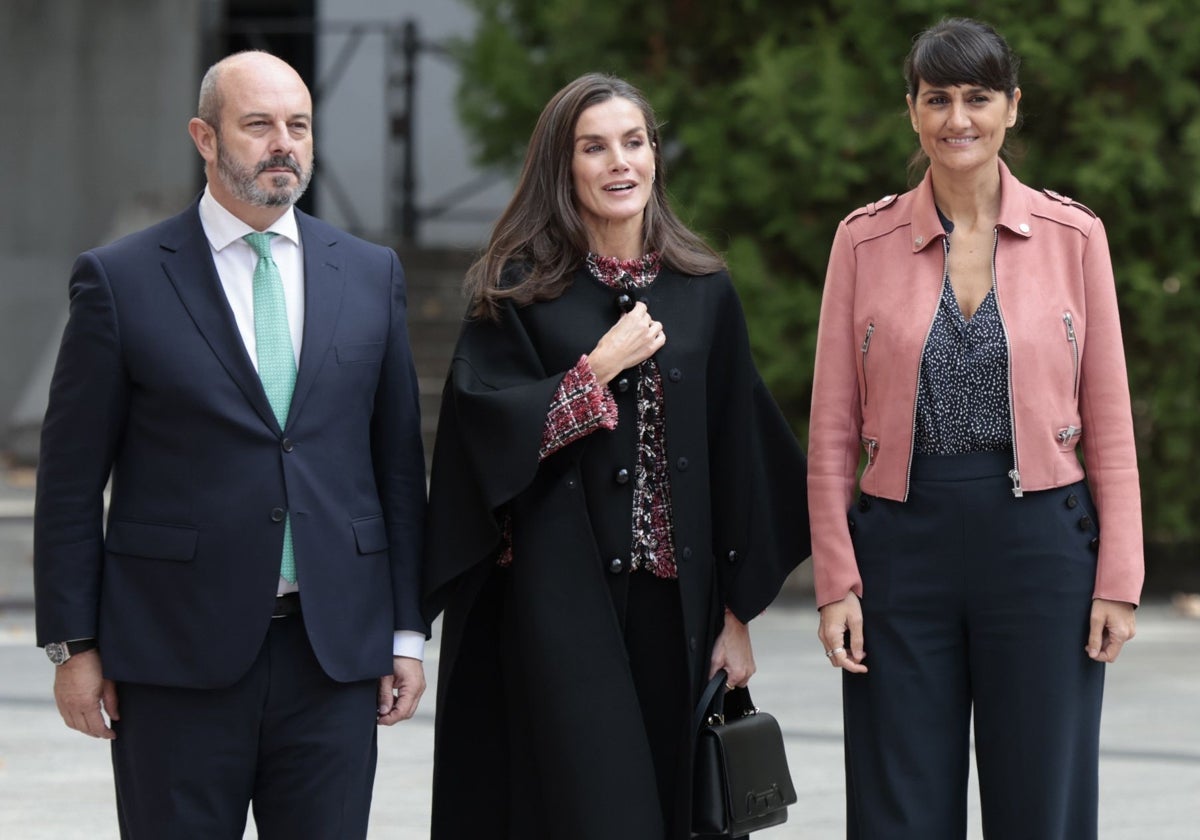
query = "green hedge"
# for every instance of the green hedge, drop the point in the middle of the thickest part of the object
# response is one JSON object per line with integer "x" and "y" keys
{"x": 782, "y": 116}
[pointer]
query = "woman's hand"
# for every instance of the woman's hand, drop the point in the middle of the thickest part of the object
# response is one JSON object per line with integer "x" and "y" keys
{"x": 732, "y": 652}
{"x": 1112, "y": 626}
{"x": 836, "y": 619}
{"x": 633, "y": 339}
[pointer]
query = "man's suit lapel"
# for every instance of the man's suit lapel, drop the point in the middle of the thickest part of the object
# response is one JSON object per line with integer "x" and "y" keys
{"x": 188, "y": 263}
{"x": 323, "y": 283}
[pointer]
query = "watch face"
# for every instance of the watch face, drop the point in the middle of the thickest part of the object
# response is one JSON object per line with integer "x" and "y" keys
{"x": 57, "y": 653}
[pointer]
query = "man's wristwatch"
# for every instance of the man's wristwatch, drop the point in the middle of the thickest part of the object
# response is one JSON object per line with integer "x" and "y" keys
{"x": 60, "y": 652}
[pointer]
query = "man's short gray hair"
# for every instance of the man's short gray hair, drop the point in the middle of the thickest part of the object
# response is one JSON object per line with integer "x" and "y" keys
{"x": 209, "y": 108}
{"x": 211, "y": 101}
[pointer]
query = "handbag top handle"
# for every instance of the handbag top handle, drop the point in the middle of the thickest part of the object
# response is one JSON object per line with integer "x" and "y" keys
{"x": 715, "y": 698}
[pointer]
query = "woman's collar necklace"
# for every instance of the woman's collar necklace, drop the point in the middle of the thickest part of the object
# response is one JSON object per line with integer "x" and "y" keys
{"x": 613, "y": 271}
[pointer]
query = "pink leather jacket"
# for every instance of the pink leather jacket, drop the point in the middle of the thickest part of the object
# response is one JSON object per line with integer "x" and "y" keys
{"x": 1067, "y": 381}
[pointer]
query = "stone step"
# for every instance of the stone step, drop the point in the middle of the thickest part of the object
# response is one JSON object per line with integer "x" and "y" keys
{"x": 436, "y": 306}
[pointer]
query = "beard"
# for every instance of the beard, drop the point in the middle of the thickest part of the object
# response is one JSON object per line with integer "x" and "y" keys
{"x": 242, "y": 181}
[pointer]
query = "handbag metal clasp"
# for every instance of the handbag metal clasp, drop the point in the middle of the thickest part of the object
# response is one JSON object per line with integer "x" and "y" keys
{"x": 759, "y": 802}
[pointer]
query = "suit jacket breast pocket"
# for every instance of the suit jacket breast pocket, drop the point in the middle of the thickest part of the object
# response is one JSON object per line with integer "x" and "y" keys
{"x": 151, "y": 540}
{"x": 360, "y": 353}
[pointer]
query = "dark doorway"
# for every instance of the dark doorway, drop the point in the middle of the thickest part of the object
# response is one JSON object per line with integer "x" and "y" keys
{"x": 285, "y": 28}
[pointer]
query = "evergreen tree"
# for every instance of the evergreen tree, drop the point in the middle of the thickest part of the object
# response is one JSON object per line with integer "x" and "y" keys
{"x": 782, "y": 116}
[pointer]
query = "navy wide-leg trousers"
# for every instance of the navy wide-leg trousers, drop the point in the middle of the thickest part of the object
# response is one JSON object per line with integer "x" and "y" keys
{"x": 974, "y": 603}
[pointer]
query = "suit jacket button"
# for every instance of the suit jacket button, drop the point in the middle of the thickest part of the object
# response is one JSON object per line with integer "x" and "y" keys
{"x": 287, "y": 445}
{"x": 570, "y": 484}
{"x": 674, "y": 374}
{"x": 682, "y": 463}
{"x": 1094, "y": 545}
{"x": 733, "y": 557}
{"x": 1072, "y": 501}
{"x": 850, "y": 524}
{"x": 277, "y": 514}
{"x": 623, "y": 384}
{"x": 692, "y": 643}
{"x": 622, "y": 476}
{"x": 1085, "y": 523}
{"x": 616, "y": 565}
{"x": 685, "y": 553}
{"x": 625, "y": 302}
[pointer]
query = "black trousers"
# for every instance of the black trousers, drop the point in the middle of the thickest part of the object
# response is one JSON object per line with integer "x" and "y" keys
{"x": 974, "y": 602}
{"x": 298, "y": 746}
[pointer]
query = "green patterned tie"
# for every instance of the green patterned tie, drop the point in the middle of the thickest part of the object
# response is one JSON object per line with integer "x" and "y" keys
{"x": 276, "y": 361}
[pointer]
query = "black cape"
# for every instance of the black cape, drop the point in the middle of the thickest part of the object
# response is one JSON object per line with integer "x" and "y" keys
{"x": 539, "y": 730}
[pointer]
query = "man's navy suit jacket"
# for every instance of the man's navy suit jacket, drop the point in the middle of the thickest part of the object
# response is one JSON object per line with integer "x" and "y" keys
{"x": 154, "y": 387}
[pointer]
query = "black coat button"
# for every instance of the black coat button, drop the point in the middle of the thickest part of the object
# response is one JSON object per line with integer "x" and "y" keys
{"x": 622, "y": 476}
{"x": 685, "y": 553}
{"x": 278, "y": 514}
{"x": 1072, "y": 501}
{"x": 733, "y": 557}
{"x": 864, "y": 503}
{"x": 616, "y": 565}
{"x": 1085, "y": 523}
{"x": 674, "y": 374}
{"x": 692, "y": 643}
{"x": 623, "y": 384}
{"x": 570, "y": 484}
{"x": 287, "y": 445}
{"x": 625, "y": 302}
{"x": 1094, "y": 545}
{"x": 850, "y": 524}
{"x": 682, "y": 463}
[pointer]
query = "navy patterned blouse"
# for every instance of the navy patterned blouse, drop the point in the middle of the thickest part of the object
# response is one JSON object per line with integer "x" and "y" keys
{"x": 962, "y": 398}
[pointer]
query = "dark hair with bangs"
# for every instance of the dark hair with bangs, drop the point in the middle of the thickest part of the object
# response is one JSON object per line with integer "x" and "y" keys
{"x": 961, "y": 51}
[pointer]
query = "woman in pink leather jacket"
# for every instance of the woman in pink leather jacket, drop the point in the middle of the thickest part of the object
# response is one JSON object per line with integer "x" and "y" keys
{"x": 969, "y": 347}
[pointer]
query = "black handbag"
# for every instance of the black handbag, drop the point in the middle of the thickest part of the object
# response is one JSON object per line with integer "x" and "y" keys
{"x": 741, "y": 781}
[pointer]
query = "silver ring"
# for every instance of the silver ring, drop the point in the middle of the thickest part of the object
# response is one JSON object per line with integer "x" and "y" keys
{"x": 728, "y": 687}
{"x": 835, "y": 652}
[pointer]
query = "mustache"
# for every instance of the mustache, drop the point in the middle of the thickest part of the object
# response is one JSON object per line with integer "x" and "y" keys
{"x": 287, "y": 162}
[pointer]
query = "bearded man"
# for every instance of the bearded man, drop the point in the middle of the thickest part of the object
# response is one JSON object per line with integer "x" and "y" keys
{"x": 248, "y": 614}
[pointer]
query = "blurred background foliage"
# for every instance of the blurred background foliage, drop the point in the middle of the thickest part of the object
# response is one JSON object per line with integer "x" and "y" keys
{"x": 782, "y": 116}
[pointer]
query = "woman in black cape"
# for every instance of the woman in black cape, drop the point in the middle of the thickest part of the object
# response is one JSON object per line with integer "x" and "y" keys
{"x": 614, "y": 495}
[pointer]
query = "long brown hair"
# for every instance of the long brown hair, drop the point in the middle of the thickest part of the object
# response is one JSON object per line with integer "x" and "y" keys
{"x": 541, "y": 233}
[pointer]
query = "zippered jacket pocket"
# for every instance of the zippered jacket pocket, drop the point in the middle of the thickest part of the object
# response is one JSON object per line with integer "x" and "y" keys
{"x": 1069, "y": 322}
{"x": 871, "y": 447}
{"x": 1068, "y": 436}
{"x": 866, "y": 349}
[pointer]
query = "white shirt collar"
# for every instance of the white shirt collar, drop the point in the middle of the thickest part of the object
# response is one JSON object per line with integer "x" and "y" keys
{"x": 222, "y": 228}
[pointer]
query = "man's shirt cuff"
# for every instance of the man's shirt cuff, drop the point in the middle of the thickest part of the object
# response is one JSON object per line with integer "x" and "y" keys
{"x": 409, "y": 643}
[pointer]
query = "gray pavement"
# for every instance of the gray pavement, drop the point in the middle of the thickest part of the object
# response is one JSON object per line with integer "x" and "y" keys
{"x": 55, "y": 784}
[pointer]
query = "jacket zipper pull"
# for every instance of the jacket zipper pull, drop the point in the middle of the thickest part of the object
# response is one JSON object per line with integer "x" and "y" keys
{"x": 1066, "y": 434}
{"x": 1015, "y": 475}
{"x": 870, "y": 444}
